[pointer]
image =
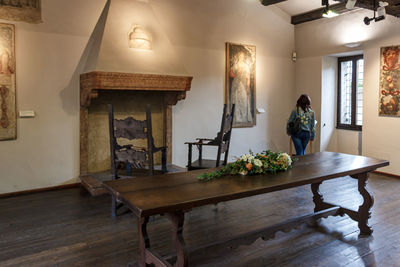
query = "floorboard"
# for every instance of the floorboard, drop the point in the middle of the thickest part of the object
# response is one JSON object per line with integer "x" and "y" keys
{"x": 70, "y": 228}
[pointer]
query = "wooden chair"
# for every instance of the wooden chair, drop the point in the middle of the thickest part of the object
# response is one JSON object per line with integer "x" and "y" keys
{"x": 138, "y": 158}
{"x": 222, "y": 141}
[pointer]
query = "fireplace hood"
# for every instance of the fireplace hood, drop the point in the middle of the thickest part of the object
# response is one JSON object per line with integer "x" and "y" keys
{"x": 110, "y": 65}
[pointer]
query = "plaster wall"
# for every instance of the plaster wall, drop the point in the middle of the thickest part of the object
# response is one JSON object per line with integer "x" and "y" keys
{"x": 47, "y": 146}
{"x": 328, "y": 36}
{"x": 189, "y": 39}
{"x": 328, "y": 132}
{"x": 348, "y": 141}
{"x": 308, "y": 81}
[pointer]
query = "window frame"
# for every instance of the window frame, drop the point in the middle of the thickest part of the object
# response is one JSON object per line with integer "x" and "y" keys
{"x": 353, "y": 125}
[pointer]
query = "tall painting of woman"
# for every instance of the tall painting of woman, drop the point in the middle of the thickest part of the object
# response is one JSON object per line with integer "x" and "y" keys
{"x": 240, "y": 83}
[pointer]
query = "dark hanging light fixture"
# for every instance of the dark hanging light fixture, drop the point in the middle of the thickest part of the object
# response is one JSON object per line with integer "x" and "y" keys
{"x": 381, "y": 13}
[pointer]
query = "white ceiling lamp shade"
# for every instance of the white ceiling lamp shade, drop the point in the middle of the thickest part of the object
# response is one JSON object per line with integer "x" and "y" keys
{"x": 352, "y": 45}
{"x": 382, "y": 9}
{"x": 350, "y": 4}
{"x": 139, "y": 38}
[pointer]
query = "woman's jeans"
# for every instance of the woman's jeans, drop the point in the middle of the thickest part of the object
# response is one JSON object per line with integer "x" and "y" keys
{"x": 300, "y": 141}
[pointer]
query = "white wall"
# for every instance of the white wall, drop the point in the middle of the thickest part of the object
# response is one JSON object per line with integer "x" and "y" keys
{"x": 328, "y": 132}
{"x": 348, "y": 141}
{"x": 309, "y": 81}
{"x": 189, "y": 39}
{"x": 328, "y": 36}
{"x": 46, "y": 152}
{"x": 380, "y": 134}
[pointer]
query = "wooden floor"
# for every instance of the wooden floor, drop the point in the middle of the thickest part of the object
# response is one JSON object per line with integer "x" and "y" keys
{"x": 71, "y": 228}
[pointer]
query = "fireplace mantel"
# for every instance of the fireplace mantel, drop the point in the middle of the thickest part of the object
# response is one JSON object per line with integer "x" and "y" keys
{"x": 92, "y": 82}
{"x": 173, "y": 89}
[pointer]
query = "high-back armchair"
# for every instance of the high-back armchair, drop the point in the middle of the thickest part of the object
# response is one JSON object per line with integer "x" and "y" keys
{"x": 134, "y": 158}
{"x": 222, "y": 141}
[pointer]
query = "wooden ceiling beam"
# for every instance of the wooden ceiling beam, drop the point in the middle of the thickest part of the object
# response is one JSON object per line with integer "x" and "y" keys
{"x": 317, "y": 13}
{"x": 271, "y": 2}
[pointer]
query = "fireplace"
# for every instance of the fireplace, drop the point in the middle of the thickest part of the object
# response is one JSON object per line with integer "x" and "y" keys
{"x": 99, "y": 88}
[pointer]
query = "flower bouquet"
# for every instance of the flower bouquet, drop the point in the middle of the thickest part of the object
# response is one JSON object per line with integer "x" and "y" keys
{"x": 250, "y": 164}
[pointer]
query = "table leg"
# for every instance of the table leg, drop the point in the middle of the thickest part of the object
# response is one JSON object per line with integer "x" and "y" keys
{"x": 144, "y": 241}
{"x": 177, "y": 220}
{"x": 364, "y": 211}
{"x": 317, "y": 197}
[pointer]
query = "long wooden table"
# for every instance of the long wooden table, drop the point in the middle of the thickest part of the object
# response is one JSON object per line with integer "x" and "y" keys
{"x": 176, "y": 193}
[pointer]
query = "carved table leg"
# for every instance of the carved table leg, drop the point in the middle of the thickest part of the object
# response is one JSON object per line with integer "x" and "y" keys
{"x": 144, "y": 241}
{"x": 317, "y": 198}
{"x": 364, "y": 211}
{"x": 177, "y": 220}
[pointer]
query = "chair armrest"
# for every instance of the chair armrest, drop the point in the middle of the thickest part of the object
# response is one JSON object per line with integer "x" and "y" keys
{"x": 193, "y": 143}
{"x": 156, "y": 149}
{"x": 204, "y": 139}
{"x": 201, "y": 144}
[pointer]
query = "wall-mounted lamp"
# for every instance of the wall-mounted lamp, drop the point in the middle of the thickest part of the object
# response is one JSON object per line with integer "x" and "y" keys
{"x": 139, "y": 38}
{"x": 328, "y": 13}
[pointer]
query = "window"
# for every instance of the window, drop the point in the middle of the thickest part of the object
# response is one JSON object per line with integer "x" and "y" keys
{"x": 350, "y": 92}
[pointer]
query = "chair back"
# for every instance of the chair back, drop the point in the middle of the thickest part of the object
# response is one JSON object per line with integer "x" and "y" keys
{"x": 224, "y": 135}
{"x": 130, "y": 129}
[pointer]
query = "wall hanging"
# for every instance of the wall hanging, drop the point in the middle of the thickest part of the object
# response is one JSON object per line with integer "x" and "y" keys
{"x": 240, "y": 85}
{"x": 389, "y": 82}
{"x": 8, "y": 125}
{"x": 21, "y": 10}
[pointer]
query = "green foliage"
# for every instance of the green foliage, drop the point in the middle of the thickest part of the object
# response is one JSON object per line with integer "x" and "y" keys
{"x": 250, "y": 164}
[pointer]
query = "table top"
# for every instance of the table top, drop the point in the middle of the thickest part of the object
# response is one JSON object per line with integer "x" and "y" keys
{"x": 171, "y": 192}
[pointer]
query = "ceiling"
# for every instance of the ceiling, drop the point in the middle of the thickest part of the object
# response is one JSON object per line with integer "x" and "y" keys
{"x": 295, "y": 7}
{"x": 307, "y": 10}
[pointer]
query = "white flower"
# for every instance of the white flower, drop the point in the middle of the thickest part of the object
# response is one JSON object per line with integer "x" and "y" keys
{"x": 243, "y": 172}
{"x": 245, "y": 157}
{"x": 285, "y": 160}
{"x": 258, "y": 162}
{"x": 259, "y": 170}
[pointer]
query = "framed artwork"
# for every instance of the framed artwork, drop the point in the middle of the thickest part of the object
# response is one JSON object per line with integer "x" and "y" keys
{"x": 389, "y": 82}
{"x": 240, "y": 84}
{"x": 21, "y": 10}
{"x": 8, "y": 118}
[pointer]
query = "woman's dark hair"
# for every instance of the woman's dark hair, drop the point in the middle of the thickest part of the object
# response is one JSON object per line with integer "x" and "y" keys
{"x": 304, "y": 102}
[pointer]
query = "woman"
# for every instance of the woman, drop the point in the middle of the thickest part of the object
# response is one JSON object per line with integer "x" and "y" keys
{"x": 307, "y": 124}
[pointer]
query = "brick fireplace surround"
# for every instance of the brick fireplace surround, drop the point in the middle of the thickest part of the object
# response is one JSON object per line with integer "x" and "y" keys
{"x": 173, "y": 89}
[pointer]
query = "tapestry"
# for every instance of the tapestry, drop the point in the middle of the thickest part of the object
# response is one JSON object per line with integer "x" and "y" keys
{"x": 389, "y": 81}
{"x": 240, "y": 84}
{"x": 8, "y": 125}
{"x": 21, "y": 10}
